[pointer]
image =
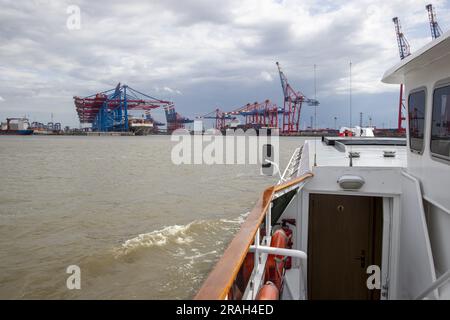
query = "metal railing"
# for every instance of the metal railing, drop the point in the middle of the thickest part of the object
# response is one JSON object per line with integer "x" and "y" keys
{"x": 435, "y": 285}
{"x": 219, "y": 282}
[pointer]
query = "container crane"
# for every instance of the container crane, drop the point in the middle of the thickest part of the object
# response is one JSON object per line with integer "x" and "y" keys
{"x": 258, "y": 115}
{"x": 404, "y": 51}
{"x": 434, "y": 26}
{"x": 403, "y": 44}
{"x": 293, "y": 101}
{"x": 246, "y": 112}
{"x": 174, "y": 119}
{"x": 148, "y": 116}
{"x": 220, "y": 118}
{"x": 109, "y": 110}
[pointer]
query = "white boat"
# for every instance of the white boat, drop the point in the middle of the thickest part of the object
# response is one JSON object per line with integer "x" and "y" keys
{"x": 16, "y": 126}
{"x": 337, "y": 226}
{"x": 356, "y": 132}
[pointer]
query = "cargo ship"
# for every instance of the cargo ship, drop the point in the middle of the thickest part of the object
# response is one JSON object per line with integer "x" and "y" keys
{"x": 16, "y": 126}
{"x": 355, "y": 217}
{"x": 144, "y": 126}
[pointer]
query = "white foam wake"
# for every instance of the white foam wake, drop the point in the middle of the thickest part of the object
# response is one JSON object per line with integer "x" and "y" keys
{"x": 176, "y": 234}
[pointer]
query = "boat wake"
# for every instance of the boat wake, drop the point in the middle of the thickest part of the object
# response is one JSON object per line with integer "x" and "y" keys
{"x": 179, "y": 235}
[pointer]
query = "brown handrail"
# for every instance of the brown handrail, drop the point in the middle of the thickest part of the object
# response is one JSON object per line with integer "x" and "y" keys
{"x": 220, "y": 280}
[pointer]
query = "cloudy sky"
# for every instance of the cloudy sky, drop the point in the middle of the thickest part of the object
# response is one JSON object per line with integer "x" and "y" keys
{"x": 204, "y": 54}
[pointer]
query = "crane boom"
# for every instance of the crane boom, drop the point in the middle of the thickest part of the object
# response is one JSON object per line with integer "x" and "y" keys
{"x": 403, "y": 44}
{"x": 220, "y": 118}
{"x": 293, "y": 101}
{"x": 405, "y": 51}
{"x": 284, "y": 82}
{"x": 434, "y": 26}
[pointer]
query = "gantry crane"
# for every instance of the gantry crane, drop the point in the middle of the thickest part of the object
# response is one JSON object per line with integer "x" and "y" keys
{"x": 259, "y": 115}
{"x": 220, "y": 118}
{"x": 434, "y": 26}
{"x": 174, "y": 120}
{"x": 293, "y": 101}
{"x": 404, "y": 51}
{"x": 403, "y": 44}
{"x": 109, "y": 110}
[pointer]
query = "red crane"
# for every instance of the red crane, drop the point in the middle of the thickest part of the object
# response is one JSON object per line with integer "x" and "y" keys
{"x": 293, "y": 101}
{"x": 258, "y": 115}
{"x": 220, "y": 118}
{"x": 404, "y": 51}
{"x": 271, "y": 112}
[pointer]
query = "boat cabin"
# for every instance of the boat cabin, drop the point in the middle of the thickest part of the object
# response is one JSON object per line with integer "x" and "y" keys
{"x": 356, "y": 217}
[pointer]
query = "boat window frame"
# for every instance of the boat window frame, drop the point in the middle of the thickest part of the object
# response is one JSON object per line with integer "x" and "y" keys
{"x": 411, "y": 92}
{"x": 436, "y": 156}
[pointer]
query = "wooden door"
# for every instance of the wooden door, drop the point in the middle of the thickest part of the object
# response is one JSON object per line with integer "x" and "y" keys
{"x": 344, "y": 239}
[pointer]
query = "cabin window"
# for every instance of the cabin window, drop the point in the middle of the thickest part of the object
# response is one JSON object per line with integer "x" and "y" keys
{"x": 440, "y": 125}
{"x": 416, "y": 114}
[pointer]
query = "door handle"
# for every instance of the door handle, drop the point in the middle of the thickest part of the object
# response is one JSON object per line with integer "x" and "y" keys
{"x": 362, "y": 258}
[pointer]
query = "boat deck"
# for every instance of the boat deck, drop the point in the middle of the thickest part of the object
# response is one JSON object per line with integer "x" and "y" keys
{"x": 334, "y": 152}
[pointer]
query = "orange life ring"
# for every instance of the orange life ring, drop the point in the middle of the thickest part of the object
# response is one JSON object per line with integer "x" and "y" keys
{"x": 269, "y": 291}
{"x": 276, "y": 263}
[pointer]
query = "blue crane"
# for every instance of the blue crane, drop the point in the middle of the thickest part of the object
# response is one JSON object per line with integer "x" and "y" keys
{"x": 435, "y": 29}
{"x": 403, "y": 44}
{"x": 405, "y": 51}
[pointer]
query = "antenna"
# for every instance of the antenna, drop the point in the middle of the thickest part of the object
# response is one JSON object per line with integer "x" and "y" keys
{"x": 350, "y": 97}
{"x": 350, "y": 104}
{"x": 315, "y": 116}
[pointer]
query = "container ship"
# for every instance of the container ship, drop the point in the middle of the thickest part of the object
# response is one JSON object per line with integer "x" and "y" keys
{"x": 16, "y": 126}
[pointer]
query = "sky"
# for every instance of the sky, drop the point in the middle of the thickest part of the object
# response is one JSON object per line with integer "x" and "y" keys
{"x": 205, "y": 54}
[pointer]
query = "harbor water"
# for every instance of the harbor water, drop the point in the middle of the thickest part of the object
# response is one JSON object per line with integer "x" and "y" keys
{"x": 138, "y": 226}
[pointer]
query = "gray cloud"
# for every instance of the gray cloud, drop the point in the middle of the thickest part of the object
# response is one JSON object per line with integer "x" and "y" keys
{"x": 203, "y": 54}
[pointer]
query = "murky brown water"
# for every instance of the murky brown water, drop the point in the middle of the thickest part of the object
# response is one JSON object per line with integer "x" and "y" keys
{"x": 138, "y": 226}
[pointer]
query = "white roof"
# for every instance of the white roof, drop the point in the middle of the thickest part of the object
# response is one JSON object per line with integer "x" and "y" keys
{"x": 370, "y": 155}
{"x": 435, "y": 50}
